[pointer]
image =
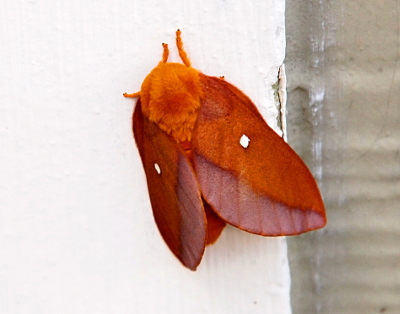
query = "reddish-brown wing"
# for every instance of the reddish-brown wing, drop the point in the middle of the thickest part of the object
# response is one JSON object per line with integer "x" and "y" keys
{"x": 264, "y": 188}
{"x": 174, "y": 191}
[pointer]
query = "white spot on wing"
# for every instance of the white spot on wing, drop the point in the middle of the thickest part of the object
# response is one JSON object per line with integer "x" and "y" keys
{"x": 158, "y": 169}
{"x": 244, "y": 141}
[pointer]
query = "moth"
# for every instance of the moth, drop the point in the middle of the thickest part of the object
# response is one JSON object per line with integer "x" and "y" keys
{"x": 211, "y": 159}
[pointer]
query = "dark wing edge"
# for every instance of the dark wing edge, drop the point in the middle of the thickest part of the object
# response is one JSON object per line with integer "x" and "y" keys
{"x": 173, "y": 189}
{"x": 265, "y": 188}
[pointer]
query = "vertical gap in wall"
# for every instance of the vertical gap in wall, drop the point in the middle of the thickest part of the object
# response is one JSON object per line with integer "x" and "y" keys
{"x": 310, "y": 30}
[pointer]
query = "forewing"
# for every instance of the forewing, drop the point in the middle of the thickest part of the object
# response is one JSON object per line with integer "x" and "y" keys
{"x": 264, "y": 188}
{"x": 174, "y": 191}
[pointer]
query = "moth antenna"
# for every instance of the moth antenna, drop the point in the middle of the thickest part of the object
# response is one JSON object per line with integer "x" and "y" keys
{"x": 182, "y": 52}
{"x": 165, "y": 53}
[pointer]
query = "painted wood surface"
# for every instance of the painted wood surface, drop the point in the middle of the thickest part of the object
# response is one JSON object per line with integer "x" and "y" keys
{"x": 76, "y": 228}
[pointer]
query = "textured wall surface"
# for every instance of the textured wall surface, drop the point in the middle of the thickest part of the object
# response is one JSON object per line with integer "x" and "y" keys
{"x": 76, "y": 229}
{"x": 343, "y": 80}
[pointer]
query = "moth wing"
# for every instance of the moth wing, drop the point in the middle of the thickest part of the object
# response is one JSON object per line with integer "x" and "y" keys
{"x": 264, "y": 188}
{"x": 173, "y": 189}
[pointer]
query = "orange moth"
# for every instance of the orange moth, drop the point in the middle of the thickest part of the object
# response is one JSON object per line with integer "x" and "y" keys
{"x": 211, "y": 159}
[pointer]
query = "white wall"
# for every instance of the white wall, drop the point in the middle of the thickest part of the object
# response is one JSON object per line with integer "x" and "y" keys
{"x": 76, "y": 229}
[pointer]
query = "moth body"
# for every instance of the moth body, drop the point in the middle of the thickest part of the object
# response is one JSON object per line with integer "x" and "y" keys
{"x": 170, "y": 97}
{"x": 211, "y": 159}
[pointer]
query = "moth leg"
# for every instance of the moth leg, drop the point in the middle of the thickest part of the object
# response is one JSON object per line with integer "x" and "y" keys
{"x": 134, "y": 95}
{"x": 182, "y": 53}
